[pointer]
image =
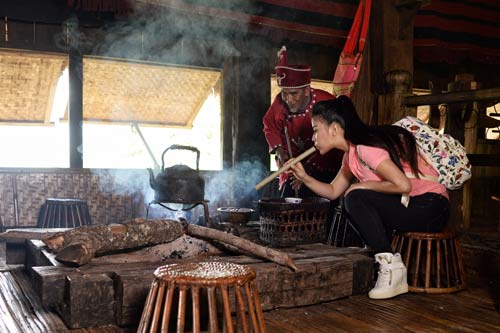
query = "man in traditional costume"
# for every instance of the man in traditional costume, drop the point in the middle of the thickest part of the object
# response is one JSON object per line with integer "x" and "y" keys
{"x": 288, "y": 129}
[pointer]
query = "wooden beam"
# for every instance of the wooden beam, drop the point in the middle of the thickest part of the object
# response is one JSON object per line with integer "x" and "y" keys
{"x": 75, "y": 110}
{"x": 492, "y": 160}
{"x": 492, "y": 94}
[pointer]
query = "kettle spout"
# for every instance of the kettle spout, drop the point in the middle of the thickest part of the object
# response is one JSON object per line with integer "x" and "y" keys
{"x": 152, "y": 181}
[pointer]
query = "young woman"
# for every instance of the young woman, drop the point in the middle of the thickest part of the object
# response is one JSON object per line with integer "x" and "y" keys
{"x": 393, "y": 191}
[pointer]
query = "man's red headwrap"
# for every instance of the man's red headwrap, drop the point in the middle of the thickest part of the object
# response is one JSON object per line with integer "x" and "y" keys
{"x": 291, "y": 76}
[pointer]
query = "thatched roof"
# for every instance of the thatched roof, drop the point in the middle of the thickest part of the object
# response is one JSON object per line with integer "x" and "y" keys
{"x": 144, "y": 93}
{"x": 113, "y": 90}
{"x": 27, "y": 85}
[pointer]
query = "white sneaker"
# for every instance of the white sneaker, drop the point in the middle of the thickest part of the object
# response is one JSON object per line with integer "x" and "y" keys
{"x": 391, "y": 279}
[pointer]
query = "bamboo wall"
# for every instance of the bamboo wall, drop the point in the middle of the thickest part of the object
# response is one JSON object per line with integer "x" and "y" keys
{"x": 112, "y": 196}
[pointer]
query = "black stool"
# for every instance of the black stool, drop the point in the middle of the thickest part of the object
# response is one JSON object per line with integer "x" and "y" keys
{"x": 63, "y": 213}
{"x": 342, "y": 233}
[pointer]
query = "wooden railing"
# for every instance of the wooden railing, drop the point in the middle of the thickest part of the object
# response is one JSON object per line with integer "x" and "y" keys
{"x": 480, "y": 95}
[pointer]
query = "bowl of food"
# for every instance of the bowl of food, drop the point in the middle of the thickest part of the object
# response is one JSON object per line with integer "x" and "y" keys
{"x": 235, "y": 215}
{"x": 293, "y": 200}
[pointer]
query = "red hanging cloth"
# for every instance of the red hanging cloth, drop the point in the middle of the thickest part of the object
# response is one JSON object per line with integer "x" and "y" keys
{"x": 348, "y": 67}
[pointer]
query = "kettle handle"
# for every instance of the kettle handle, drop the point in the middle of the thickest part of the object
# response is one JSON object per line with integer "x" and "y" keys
{"x": 181, "y": 147}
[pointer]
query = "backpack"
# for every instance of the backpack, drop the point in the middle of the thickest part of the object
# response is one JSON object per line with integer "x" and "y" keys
{"x": 442, "y": 151}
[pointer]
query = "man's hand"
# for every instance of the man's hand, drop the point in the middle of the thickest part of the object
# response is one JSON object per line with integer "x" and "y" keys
{"x": 281, "y": 156}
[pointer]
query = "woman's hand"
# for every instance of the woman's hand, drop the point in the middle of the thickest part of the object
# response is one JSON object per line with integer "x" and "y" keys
{"x": 298, "y": 172}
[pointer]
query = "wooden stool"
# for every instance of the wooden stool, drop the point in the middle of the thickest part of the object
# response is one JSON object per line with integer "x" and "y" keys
{"x": 63, "y": 213}
{"x": 218, "y": 281}
{"x": 434, "y": 261}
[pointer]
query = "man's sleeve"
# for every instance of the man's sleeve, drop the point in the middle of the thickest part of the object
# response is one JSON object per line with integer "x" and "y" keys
{"x": 273, "y": 126}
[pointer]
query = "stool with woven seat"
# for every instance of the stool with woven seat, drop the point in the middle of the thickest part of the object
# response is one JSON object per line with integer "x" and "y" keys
{"x": 217, "y": 290}
{"x": 434, "y": 261}
{"x": 63, "y": 213}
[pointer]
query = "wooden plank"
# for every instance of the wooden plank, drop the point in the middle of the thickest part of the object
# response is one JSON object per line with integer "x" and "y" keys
{"x": 3, "y": 253}
{"x": 362, "y": 273}
{"x": 324, "y": 273}
{"x": 15, "y": 253}
{"x": 37, "y": 256}
{"x": 29, "y": 233}
{"x": 89, "y": 301}
{"x": 454, "y": 97}
{"x": 132, "y": 290}
{"x": 317, "y": 280}
{"x": 49, "y": 283}
{"x": 50, "y": 321}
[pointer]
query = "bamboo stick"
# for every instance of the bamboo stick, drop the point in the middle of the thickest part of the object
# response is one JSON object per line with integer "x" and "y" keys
{"x": 285, "y": 167}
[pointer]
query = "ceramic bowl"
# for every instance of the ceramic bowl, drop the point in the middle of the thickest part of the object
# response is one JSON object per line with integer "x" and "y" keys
{"x": 293, "y": 200}
{"x": 235, "y": 215}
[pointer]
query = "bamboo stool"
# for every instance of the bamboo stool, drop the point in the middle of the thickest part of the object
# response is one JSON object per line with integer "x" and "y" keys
{"x": 434, "y": 261}
{"x": 216, "y": 281}
{"x": 63, "y": 213}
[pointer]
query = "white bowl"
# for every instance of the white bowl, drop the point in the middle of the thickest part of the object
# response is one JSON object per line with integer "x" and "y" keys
{"x": 293, "y": 200}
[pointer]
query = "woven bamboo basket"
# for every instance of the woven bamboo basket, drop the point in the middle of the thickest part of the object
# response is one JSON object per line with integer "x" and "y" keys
{"x": 287, "y": 224}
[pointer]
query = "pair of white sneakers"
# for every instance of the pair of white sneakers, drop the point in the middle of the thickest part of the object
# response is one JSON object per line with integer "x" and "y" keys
{"x": 391, "y": 279}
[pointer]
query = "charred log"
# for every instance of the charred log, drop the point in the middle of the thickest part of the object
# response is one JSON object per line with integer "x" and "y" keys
{"x": 79, "y": 245}
{"x": 184, "y": 247}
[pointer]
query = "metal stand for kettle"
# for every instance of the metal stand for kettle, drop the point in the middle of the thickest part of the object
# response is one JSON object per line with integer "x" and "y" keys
{"x": 180, "y": 193}
{"x": 190, "y": 205}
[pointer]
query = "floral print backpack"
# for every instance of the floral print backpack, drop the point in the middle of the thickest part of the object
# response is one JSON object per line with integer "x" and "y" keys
{"x": 442, "y": 151}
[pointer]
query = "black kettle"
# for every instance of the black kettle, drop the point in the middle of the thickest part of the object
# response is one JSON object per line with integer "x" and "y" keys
{"x": 179, "y": 183}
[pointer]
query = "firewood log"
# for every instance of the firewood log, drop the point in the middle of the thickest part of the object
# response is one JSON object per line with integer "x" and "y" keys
{"x": 79, "y": 245}
{"x": 276, "y": 256}
{"x": 184, "y": 247}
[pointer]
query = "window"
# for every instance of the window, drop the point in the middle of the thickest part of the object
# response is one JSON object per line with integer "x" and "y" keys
{"x": 30, "y": 135}
{"x": 132, "y": 111}
{"x": 494, "y": 112}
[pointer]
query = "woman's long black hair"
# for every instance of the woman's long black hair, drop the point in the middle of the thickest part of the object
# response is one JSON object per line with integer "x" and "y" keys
{"x": 397, "y": 141}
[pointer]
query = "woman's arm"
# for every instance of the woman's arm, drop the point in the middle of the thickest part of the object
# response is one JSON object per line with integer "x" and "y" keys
{"x": 331, "y": 190}
{"x": 393, "y": 180}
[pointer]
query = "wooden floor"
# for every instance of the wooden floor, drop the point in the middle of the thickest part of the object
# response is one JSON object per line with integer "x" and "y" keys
{"x": 472, "y": 310}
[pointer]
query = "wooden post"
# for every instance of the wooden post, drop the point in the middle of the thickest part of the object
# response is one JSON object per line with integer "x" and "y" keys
{"x": 393, "y": 56}
{"x": 75, "y": 103}
{"x": 461, "y": 123}
{"x": 246, "y": 89}
{"x": 398, "y": 86}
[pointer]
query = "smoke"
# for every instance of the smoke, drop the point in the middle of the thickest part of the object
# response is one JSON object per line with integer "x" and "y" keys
{"x": 115, "y": 183}
{"x": 124, "y": 182}
{"x": 235, "y": 187}
{"x": 173, "y": 36}
{"x": 72, "y": 38}
{"x": 158, "y": 32}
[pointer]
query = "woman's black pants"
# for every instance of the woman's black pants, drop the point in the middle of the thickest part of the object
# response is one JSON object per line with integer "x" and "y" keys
{"x": 376, "y": 215}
